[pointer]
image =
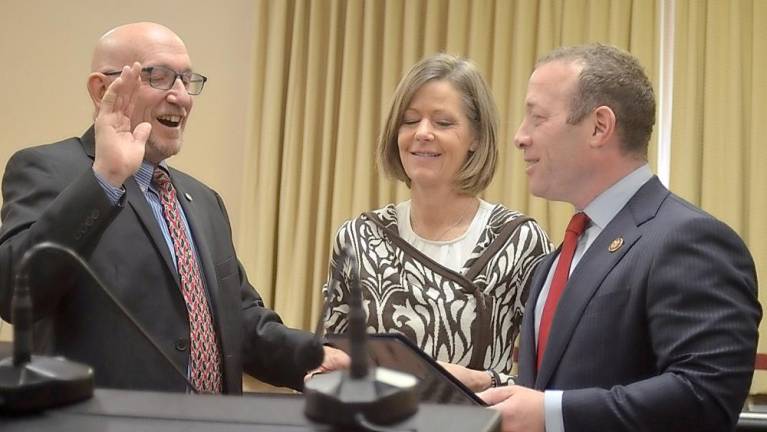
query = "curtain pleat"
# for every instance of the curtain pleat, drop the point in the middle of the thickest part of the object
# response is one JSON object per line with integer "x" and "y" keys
{"x": 325, "y": 74}
{"x": 719, "y": 112}
{"x": 755, "y": 186}
{"x": 326, "y": 71}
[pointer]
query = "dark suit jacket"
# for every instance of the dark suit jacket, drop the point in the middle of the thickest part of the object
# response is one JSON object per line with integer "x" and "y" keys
{"x": 659, "y": 335}
{"x": 51, "y": 193}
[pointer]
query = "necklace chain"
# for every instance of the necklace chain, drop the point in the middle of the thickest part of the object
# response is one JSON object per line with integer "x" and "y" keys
{"x": 450, "y": 228}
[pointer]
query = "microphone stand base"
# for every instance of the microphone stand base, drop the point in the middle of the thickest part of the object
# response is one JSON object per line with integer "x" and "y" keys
{"x": 383, "y": 396}
{"x": 41, "y": 383}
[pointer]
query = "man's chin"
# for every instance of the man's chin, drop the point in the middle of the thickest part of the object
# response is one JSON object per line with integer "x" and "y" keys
{"x": 158, "y": 150}
{"x": 541, "y": 192}
{"x": 535, "y": 189}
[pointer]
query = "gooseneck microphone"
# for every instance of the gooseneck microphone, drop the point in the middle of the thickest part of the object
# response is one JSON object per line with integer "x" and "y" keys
{"x": 358, "y": 338}
{"x": 31, "y": 383}
{"x": 359, "y": 397}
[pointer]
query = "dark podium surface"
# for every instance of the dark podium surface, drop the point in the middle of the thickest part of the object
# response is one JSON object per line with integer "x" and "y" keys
{"x": 120, "y": 410}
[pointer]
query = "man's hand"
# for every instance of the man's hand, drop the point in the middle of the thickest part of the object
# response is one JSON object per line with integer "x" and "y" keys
{"x": 473, "y": 379}
{"x": 120, "y": 150}
{"x": 521, "y": 408}
{"x": 334, "y": 359}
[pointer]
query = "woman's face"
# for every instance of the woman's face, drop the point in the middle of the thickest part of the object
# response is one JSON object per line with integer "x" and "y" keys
{"x": 435, "y": 136}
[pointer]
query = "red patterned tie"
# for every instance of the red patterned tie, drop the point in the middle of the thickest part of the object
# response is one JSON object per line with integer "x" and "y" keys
{"x": 205, "y": 367}
{"x": 574, "y": 229}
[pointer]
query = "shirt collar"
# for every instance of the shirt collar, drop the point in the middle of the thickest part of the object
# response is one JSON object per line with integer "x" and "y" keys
{"x": 145, "y": 173}
{"x": 607, "y": 204}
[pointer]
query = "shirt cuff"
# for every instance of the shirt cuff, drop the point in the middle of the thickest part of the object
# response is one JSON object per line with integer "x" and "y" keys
{"x": 113, "y": 194}
{"x": 552, "y": 411}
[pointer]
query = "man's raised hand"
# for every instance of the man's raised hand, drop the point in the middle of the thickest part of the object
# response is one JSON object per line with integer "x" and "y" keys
{"x": 120, "y": 150}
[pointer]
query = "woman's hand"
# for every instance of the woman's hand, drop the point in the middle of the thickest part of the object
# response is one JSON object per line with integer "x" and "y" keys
{"x": 475, "y": 380}
{"x": 334, "y": 359}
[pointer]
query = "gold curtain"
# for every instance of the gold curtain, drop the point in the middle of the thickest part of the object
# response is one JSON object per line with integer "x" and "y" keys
{"x": 325, "y": 74}
{"x": 719, "y": 119}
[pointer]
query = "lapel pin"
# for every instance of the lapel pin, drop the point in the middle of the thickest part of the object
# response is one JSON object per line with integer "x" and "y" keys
{"x": 615, "y": 245}
{"x": 188, "y": 197}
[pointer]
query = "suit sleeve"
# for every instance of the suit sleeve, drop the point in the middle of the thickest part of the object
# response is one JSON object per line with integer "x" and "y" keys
{"x": 268, "y": 346}
{"x": 702, "y": 318}
{"x": 54, "y": 198}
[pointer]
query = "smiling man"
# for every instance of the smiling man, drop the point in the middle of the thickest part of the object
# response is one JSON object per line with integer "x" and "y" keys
{"x": 646, "y": 318}
{"x": 158, "y": 237}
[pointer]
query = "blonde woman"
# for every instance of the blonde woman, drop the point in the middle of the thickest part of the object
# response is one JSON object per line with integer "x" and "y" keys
{"x": 445, "y": 268}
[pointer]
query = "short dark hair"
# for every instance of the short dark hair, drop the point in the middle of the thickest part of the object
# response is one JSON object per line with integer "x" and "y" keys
{"x": 478, "y": 106}
{"x": 614, "y": 78}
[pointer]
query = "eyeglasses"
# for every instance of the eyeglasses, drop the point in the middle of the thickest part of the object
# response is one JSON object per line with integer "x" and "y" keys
{"x": 163, "y": 78}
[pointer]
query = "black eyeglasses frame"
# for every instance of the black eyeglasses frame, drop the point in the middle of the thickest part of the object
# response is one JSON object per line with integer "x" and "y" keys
{"x": 194, "y": 78}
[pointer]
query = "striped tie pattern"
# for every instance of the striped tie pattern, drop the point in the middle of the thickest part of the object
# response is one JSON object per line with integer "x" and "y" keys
{"x": 205, "y": 369}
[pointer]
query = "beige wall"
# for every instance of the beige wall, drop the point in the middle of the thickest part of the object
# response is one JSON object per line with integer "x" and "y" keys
{"x": 45, "y": 48}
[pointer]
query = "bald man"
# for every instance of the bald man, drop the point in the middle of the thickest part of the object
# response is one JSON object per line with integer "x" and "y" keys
{"x": 160, "y": 239}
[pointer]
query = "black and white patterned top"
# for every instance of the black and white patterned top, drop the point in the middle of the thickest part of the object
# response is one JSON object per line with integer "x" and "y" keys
{"x": 471, "y": 317}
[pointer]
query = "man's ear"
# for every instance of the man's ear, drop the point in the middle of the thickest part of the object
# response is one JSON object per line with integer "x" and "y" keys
{"x": 604, "y": 125}
{"x": 97, "y": 85}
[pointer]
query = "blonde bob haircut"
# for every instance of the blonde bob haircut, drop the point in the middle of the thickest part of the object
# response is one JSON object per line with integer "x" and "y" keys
{"x": 478, "y": 106}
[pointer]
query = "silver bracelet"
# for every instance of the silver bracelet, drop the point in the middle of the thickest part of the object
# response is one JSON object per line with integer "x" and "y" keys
{"x": 495, "y": 380}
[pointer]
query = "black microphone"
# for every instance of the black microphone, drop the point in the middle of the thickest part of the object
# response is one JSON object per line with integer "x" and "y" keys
{"x": 310, "y": 354}
{"x": 359, "y": 397}
{"x": 31, "y": 383}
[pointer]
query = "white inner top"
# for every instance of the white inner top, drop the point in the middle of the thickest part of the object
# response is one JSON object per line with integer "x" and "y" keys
{"x": 449, "y": 253}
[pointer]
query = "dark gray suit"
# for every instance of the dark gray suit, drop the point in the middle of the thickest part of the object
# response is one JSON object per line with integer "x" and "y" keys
{"x": 659, "y": 335}
{"x": 50, "y": 193}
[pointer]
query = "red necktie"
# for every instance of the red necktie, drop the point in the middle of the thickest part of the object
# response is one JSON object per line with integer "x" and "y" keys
{"x": 205, "y": 369}
{"x": 574, "y": 229}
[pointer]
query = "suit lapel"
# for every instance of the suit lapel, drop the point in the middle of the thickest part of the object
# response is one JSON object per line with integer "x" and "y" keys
{"x": 593, "y": 268}
{"x": 138, "y": 203}
{"x": 583, "y": 283}
{"x": 88, "y": 141}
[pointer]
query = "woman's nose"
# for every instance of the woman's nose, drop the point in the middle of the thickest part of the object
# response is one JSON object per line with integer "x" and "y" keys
{"x": 424, "y": 131}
